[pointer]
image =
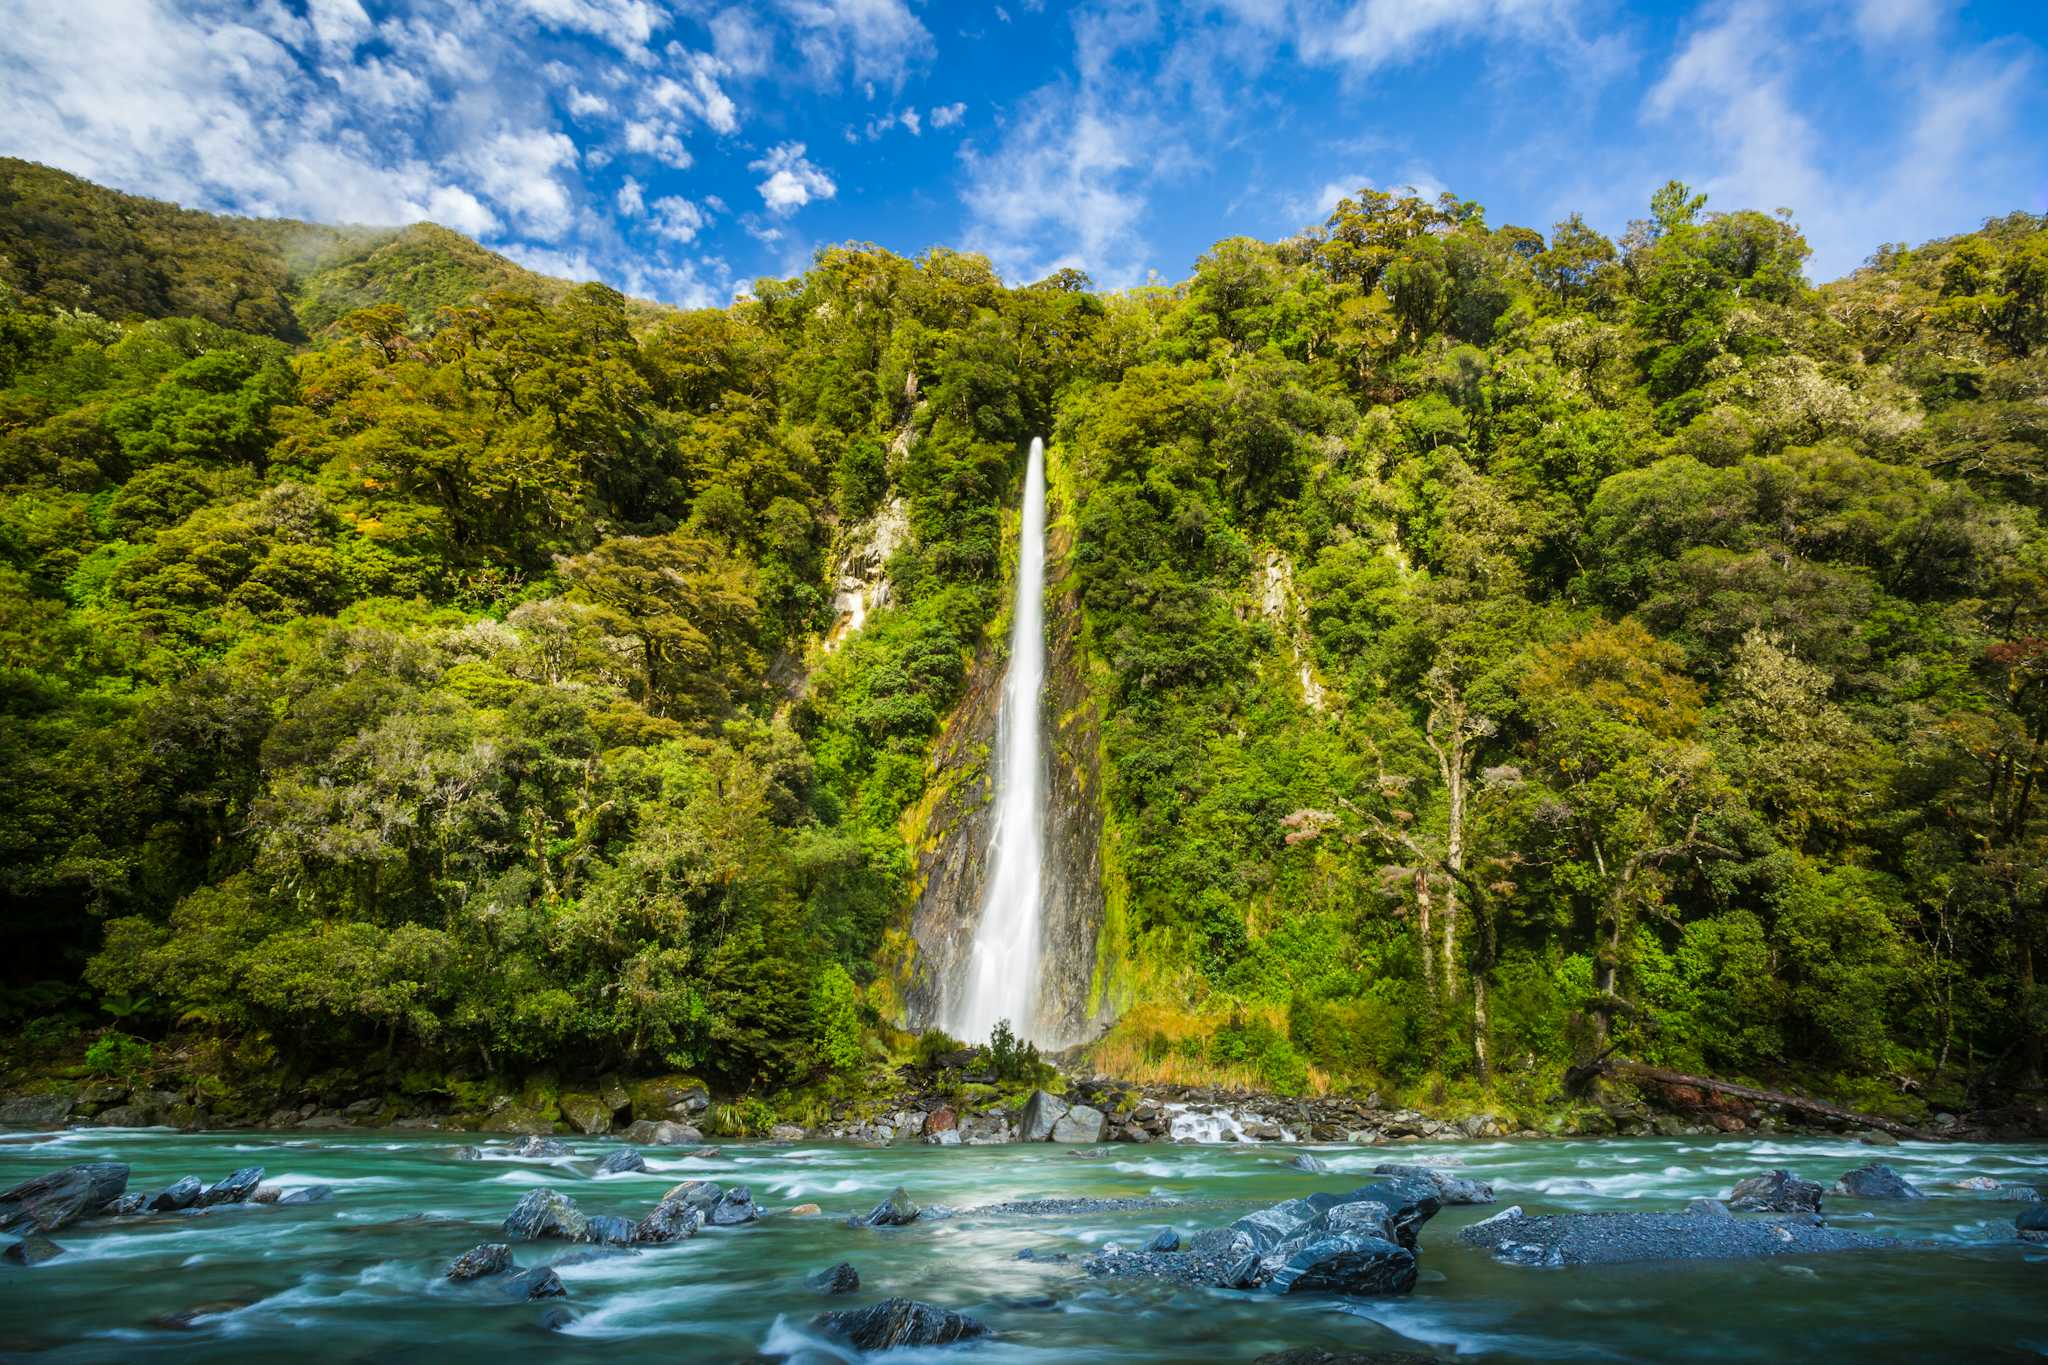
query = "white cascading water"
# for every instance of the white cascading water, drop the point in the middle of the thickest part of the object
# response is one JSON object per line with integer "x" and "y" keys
{"x": 1001, "y": 979}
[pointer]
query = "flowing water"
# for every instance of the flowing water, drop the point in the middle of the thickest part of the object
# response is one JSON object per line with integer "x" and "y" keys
{"x": 1001, "y": 976}
{"x": 359, "y": 1277}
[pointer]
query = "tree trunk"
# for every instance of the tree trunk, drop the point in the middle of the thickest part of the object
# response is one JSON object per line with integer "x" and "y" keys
{"x": 1578, "y": 1077}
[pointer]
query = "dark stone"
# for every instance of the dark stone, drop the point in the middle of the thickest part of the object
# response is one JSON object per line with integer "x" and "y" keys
{"x": 732, "y": 1208}
{"x": 469, "y": 1154}
{"x": 1451, "y": 1188}
{"x": 1409, "y": 1205}
{"x": 610, "y": 1230}
{"x": 491, "y": 1258}
{"x": 546, "y": 1213}
{"x": 47, "y": 1202}
{"x": 675, "y": 1218}
{"x": 232, "y": 1189}
{"x": 33, "y": 1249}
{"x": 180, "y": 1194}
{"x": 2032, "y": 1223}
{"x": 36, "y": 1111}
{"x": 186, "y": 1319}
{"x": 838, "y": 1279}
{"x": 307, "y": 1194}
{"x": 526, "y": 1285}
{"x": 1876, "y": 1181}
{"x": 899, "y": 1322}
{"x": 1618, "y": 1238}
{"x": 1041, "y": 1114}
{"x": 621, "y": 1161}
{"x": 1339, "y": 1262}
{"x": 1708, "y": 1208}
{"x": 2018, "y": 1194}
{"x": 534, "y": 1146}
{"x": 662, "y": 1133}
{"x": 1302, "y": 1161}
{"x": 1167, "y": 1240}
{"x": 125, "y": 1205}
{"x": 1316, "y": 1355}
{"x": 1054, "y": 1257}
{"x": 1777, "y": 1192}
{"x": 1243, "y": 1273}
{"x": 556, "y": 1318}
{"x": 898, "y": 1210}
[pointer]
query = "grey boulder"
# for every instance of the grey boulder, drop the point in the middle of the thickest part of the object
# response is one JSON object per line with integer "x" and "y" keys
{"x": 180, "y": 1194}
{"x": 1876, "y": 1181}
{"x": 33, "y": 1249}
{"x": 897, "y": 1211}
{"x": 234, "y": 1188}
{"x": 624, "y": 1160}
{"x": 899, "y": 1322}
{"x": 47, "y": 1202}
{"x": 1777, "y": 1192}
{"x": 1081, "y": 1124}
{"x": 545, "y": 1213}
{"x": 1620, "y": 1238}
{"x": 1041, "y": 1114}
{"x": 1450, "y": 1188}
{"x": 838, "y": 1279}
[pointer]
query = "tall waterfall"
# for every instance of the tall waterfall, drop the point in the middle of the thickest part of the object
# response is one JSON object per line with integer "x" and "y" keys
{"x": 1001, "y": 976}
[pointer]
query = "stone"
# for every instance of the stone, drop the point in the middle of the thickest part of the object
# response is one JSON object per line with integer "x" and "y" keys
{"x": 838, "y": 1279}
{"x": 1708, "y": 1208}
{"x": 36, "y": 1111}
{"x": 787, "y": 1132}
{"x": 945, "y": 1137}
{"x": 491, "y": 1258}
{"x": 469, "y": 1154}
{"x": 130, "y": 1203}
{"x": 49, "y": 1201}
{"x": 805, "y": 1211}
{"x": 1082, "y": 1123}
{"x": 2032, "y": 1223}
{"x": 1777, "y": 1192}
{"x": 524, "y": 1286}
{"x": 186, "y": 1319}
{"x": 234, "y": 1188}
{"x": 1979, "y": 1184}
{"x": 33, "y": 1249}
{"x": 586, "y": 1113}
{"x": 1167, "y": 1240}
{"x": 732, "y": 1208}
{"x": 608, "y": 1229}
{"x": 536, "y": 1147}
{"x": 546, "y": 1213}
{"x": 673, "y": 1220}
{"x": 1876, "y": 1137}
{"x": 1041, "y": 1112}
{"x": 1622, "y": 1238}
{"x": 1450, "y": 1187}
{"x": 2022, "y": 1194}
{"x": 622, "y": 1161}
{"x": 899, "y": 1322}
{"x": 1303, "y": 1161}
{"x": 662, "y": 1133}
{"x": 941, "y": 1120}
{"x": 177, "y": 1196}
{"x": 307, "y": 1194}
{"x": 898, "y": 1210}
{"x": 555, "y": 1319}
{"x": 1876, "y": 1181}
{"x": 1339, "y": 1262}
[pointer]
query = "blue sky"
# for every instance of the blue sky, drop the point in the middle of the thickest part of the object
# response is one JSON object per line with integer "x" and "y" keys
{"x": 681, "y": 148}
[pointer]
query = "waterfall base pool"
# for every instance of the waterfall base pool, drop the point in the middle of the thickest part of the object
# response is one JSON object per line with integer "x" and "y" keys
{"x": 360, "y": 1277}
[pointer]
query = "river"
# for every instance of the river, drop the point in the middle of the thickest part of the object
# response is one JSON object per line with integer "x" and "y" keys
{"x": 359, "y": 1277}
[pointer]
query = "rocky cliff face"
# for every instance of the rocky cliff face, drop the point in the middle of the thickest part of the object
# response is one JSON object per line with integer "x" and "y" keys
{"x": 952, "y": 826}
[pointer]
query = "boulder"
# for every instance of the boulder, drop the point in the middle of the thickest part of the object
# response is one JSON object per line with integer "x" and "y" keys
{"x": 1041, "y": 1112}
{"x": 1450, "y": 1188}
{"x": 1876, "y": 1181}
{"x": 2022, "y": 1194}
{"x": 585, "y": 1113}
{"x": 1777, "y": 1192}
{"x": 1302, "y": 1161}
{"x": 838, "y": 1279}
{"x": 674, "y": 1220}
{"x": 524, "y": 1286}
{"x": 1317, "y": 1355}
{"x": 491, "y": 1258}
{"x": 787, "y": 1132}
{"x": 898, "y": 1210}
{"x": 1620, "y": 1238}
{"x": 180, "y": 1194}
{"x": 1081, "y": 1124}
{"x": 611, "y": 1230}
{"x": 33, "y": 1249}
{"x": 2032, "y": 1223}
{"x": 36, "y": 1111}
{"x": 468, "y": 1154}
{"x": 307, "y": 1194}
{"x": 899, "y": 1322}
{"x": 662, "y": 1133}
{"x": 1339, "y": 1261}
{"x": 534, "y": 1146}
{"x": 47, "y": 1202}
{"x": 1166, "y": 1240}
{"x": 941, "y": 1120}
{"x": 234, "y": 1188}
{"x": 545, "y": 1213}
{"x": 1708, "y": 1208}
{"x": 620, "y": 1162}
{"x": 130, "y": 1203}
{"x": 555, "y": 1319}
{"x": 805, "y": 1211}
{"x": 732, "y": 1208}
{"x": 1976, "y": 1184}
{"x": 1876, "y": 1137}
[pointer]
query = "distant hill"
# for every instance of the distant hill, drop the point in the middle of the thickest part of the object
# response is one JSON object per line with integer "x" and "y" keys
{"x": 69, "y": 243}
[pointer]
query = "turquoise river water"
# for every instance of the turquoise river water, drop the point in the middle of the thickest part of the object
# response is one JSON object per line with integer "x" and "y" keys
{"x": 359, "y": 1278}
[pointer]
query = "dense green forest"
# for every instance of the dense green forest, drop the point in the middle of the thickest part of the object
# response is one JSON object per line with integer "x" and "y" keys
{"x": 1508, "y": 646}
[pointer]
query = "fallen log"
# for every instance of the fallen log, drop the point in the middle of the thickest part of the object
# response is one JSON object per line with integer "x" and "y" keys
{"x": 1580, "y": 1076}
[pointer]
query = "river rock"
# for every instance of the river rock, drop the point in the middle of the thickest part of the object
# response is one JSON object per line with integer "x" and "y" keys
{"x": 1876, "y": 1181}
{"x": 36, "y": 1111}
{"x": 733, "y": 1207}
{"x": 1166, "y": 1240}
{"x": 1618, "y": 1238}
{"x": 899, "y": 1322}
{"x": 788, "y": 1132}
{"x": 491, "y": 1258}
{"x": 1876, "y": 1137}
{"x": 546, "y": 1213}
{"x": 536, "y": 1146}
{"x": 127, "y": 1204}
{"x": 662, "y": 1133}
{"x": 674, "y": 1220}
{"x": 1302, "y": 1161}
{"x": 524, "y": 1286}
{"x": 47, "y": 1202}
{"x": 624, "y": 1160}
{"x": 1082, "y": 1124}
{"x": 468, "y": 1154}
{"x": 609, "y": 1229}
{"x": 2032, "y": 1223}
{"x": 898, "y": 1210}
{"x": 1778, "y": 1192}
{"x": 1976, "y": 1184}
{"x": 307, "y": 1194}
{"x": 1708, "y": 1208}
{"x": 838, "y": 1279}
{"x": 941, "y": 1120}
{"x": 1450, "y": 1187}
{"x": 1339, "y": 1262}
{"x": 33, "y": 1249}
{"x": 179, "y": 1195}
{"x": 804, "y": 1211}
{"x": 234, "y": 1188}
{"x": 1041, "y": 1113}
{"x": 587, "y": 1114}
{"x": 1317, "y": 1355}
{"x": 2023, "y": 1194}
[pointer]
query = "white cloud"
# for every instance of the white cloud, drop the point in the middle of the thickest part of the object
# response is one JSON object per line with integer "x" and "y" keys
{"x": 742, "y": 43}
{"x": 517, "y": 170}
{"x": 946, "y": 115}
{"x": 658, "y": 141}
{"x": 454, "y": 207}
{"x": 677, "y": 218}
{"x": 583, "y": 104}
{"x": 908, "y": 118}
{"x": 626, "y": 24}
{"x": 1066, "y": 187}
{"x": 698, "y": 94}
{"x": 631, "y": 201}
{"x": 877, "y": 40}
{"x": 792, "y": 181}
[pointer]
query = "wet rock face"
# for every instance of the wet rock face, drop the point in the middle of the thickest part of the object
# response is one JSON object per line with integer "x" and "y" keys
{"x": 1876, "y": 1181}
{"x": 49, "y": 1201}
{"x": 624, "y": 1160}
{"x": 488, "y": 1259}
{"x": 1450, "y": 1188}
{"x": 899, "y": 1322}
{"x": 1621, "y": 1238}
{"x": 1777, "y": 1192}
{"x": 33, "y": 1249}
{"x": 180, "y": 1194}
{"x": 898, "y": 1210}
{"x": 838, "y": 1279}
{"x": 545, "y": 1213}
{"x": 2032, "y": 1224}
{"x": 232, "y": 1189}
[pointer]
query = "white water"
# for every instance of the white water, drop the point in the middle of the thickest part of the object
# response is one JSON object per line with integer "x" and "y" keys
{"x": 1001, "y": 979}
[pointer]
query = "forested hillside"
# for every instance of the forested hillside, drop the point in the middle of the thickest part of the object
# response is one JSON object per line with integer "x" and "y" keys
{"x": 1508, "y": 645}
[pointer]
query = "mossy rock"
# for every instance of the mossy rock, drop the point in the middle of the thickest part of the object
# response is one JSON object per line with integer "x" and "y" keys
{"x": 586, "y": 1113}
{"x": 678, "y": 1097}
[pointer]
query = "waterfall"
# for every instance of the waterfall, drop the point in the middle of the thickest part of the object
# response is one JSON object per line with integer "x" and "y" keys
{"x": 1000, "y": 980}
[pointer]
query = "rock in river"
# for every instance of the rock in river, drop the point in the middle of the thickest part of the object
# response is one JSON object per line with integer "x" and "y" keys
{"x": 180, "y": 1194}
{"x": 2032, "y": 1223}
{"x": 489, "y": 1259}
{"x": 648, "y": 1133}
{"x": 898, "y": 1210}
{"x": 677, "y": 1217}
{"x": 49, "y": 1201}
{"x": 536, "y": 1146}
{"x": 838, "y": 1279}
{"x": 232, "y": 1189}
{"x": 624, "y": 1160}
{"x": 1450, "y": 1188}
{"x": 1302, "y": 1161}
{"x": 546, "y": 1213}
{"x": 899, "y": 1322}
{"x": 307, "y": 1194}
{"x": 1080, "y": 1124}
{"x": 1616, "y": 1238}
{"x": 33, "y": 1249}
{"x": 1876, "y": 1181}
{"x": 1777, "y": 1192}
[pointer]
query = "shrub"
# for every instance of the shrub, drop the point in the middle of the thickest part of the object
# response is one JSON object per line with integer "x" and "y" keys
{"x": 118, "y": 1054}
